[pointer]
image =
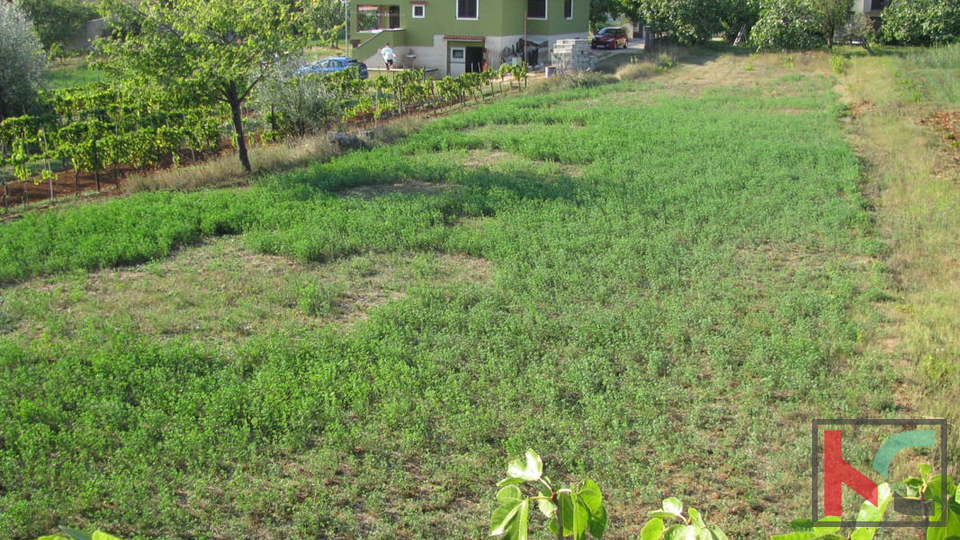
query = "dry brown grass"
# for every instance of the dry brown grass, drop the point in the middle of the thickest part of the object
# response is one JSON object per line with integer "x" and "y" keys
{"x": 222, "y": 289}
{"x": 225, "y": 171}
{"x": 916, "y": 188}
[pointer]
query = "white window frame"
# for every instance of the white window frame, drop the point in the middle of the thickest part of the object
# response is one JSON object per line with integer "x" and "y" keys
{"x": 546, "y": 12}
{"x": 459, "y": 18}
{"x": 565, "y": 10}
{"x": 423, "y": 11}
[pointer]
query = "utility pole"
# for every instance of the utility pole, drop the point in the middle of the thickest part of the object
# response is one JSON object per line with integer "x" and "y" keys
{"x": 346, "y": 28}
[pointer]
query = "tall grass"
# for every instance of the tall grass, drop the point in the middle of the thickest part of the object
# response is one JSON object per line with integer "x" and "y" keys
{"x": 938, "y": 69}
{"x": 919, "y": 201}
{"x": 669, "y": 305}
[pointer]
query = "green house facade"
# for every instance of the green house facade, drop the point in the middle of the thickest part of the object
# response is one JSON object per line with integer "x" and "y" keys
{"x": 457, "y": 36}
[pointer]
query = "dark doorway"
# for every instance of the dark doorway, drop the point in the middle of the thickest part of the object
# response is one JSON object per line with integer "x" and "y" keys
{"x": 474, "y": 59}
{"x": 394, "y": 17}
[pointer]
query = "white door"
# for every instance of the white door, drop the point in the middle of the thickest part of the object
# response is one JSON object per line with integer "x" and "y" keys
{"x": 458, "y": 61}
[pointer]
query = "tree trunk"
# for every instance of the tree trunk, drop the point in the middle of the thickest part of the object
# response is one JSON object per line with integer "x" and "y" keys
{"x": 233, "y": 98}
{"x": 96, "y": 161}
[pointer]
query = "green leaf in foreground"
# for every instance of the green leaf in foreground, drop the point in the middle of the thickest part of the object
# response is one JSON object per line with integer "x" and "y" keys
{"x": 77, "y": 534}
{"x": 672, "y": 505}
{"x": 592, "y": 500}
{"x": 511, "y": 517}
{"x": 652, "y": 530}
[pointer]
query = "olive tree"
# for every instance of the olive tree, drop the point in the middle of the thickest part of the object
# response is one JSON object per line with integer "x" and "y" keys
{"x": 22, "y": 62}
{"x": 214, "y": 49}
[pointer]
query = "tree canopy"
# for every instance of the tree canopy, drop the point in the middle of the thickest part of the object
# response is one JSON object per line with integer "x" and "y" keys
{"x": 799, "y": 24}
{"x": 58, "y": 21}
{"x": 202, "y": 49}
{"x": 922, "y": 22}
{"x": 774, "y": 24}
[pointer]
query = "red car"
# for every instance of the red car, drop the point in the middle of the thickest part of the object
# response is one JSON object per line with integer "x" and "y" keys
{"x": 611, "y": 37}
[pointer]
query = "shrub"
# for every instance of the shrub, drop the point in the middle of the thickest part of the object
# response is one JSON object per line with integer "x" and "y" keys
{"x": 298, "y": 105}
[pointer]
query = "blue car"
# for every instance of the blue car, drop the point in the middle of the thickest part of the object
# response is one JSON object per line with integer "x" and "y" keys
{"x": 333, "y": 64}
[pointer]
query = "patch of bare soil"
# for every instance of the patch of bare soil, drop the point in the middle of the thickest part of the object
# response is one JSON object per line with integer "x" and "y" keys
{"x": 481, "y": 158}
{"x": 947, "y": 123}
{"x": 222, "y": 291}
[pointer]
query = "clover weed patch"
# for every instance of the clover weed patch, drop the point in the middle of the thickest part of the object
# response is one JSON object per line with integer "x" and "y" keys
{"x": 673, "y": 286}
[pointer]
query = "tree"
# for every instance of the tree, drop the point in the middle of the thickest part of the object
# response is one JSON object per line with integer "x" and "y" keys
{"x": 859, "y": 29}
{"x": 202, "y": 49}
{"x": 833, "y": 14}
{"x": 58, "y": 21}
{"x": 22, "y": 62}
{"x": 324, "y": 18}
{"x": 688, "y": 21}
{"x": 601, "y": 11}
{"x": 737, "y": 17}
{"x": 298, "y": 104}
{"x": 921, "y": 22}
{"x": 799, "y": 24}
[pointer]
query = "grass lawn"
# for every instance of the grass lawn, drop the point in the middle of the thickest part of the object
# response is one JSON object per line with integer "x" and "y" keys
{"x": 656, "y": 283}
{"x": 72, "y": 72}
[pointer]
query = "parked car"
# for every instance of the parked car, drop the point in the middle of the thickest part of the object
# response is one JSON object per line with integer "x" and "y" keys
{"x": 611, "y": 37}
{"x": 334, "y": 64}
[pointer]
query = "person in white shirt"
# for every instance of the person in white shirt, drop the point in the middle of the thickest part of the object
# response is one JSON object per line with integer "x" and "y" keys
{"x": 388, "y": 56}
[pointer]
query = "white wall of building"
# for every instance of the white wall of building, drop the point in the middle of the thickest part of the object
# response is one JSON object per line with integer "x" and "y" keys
{"x": 435, "y": 57}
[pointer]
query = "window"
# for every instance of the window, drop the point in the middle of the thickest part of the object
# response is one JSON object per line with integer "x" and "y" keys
{"x": 371, "y": 18}
{"x": 368, "y": 18}
{"x": 567, "y": 9}
{"x": 536, "y": 9}
{"x": 418, "y": 11}
{"x": 877, "y": 5}
{"x": 467, "y": 9}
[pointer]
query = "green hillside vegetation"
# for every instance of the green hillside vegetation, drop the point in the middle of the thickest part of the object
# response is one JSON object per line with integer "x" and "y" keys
{"x": 657, "y": 283}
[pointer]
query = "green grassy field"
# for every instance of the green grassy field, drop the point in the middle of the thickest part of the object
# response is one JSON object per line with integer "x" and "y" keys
{"x": 656, "y": 283}
{"x": 72, "y": 72}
